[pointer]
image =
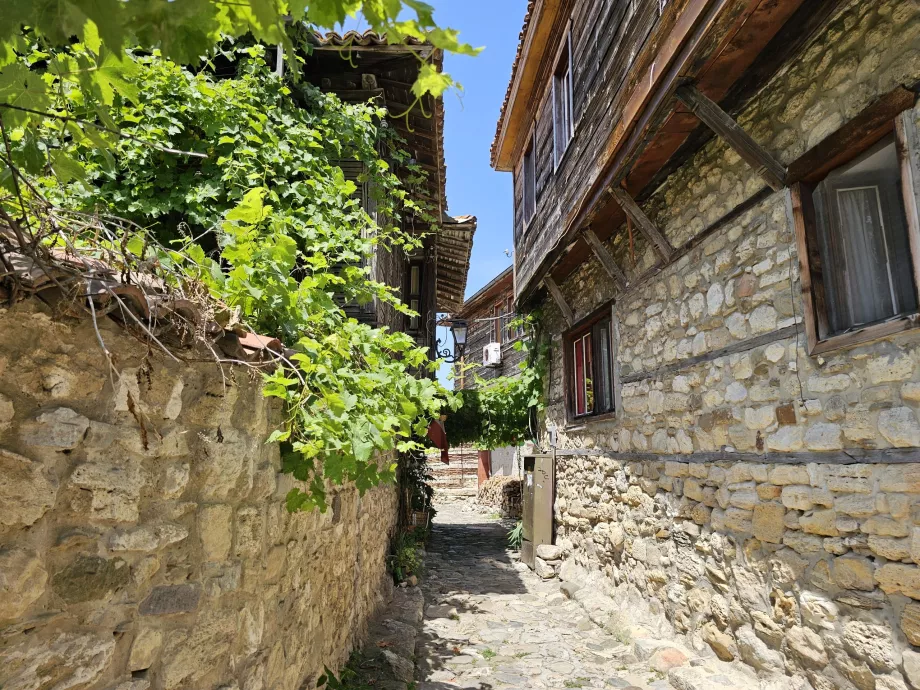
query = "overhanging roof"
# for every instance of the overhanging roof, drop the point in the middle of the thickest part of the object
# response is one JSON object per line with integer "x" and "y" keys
{"x": 455, "y": 244}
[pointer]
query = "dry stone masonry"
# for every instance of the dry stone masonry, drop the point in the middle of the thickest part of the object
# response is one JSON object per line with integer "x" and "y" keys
{"x": 144, "y": 541}
{"x": 765, "y": 501}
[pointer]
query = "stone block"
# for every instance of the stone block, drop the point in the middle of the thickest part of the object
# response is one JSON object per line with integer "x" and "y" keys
{"x": 738, "y": 520}
{"x": 896, "y": 578}
{"x": 759, "y": 417}
{"x": 549, "y": 552}
{"x": 90, "y": 578}
{"x": 250, "y": 525}
{"x": 888, "y": 369}
{"x": 215, "y": 531}
{"x": 797, "y": 497}
{"x": 870, "y": 642}
{"x": 807, "y": 647}
{"x": 27, "y": 489}
{"x": 803, "y": 543}
{"x": 188, "y": 656}
{"x": 823, "y": 522}
{"x": 115, "y": 489}
{"x": 543, "y": 569}
{"x": 676, "y": 469}
{"x": 58, "y": 662}
{"x": 57, "y": 429}
{"x": 165, "y": 600}
{"x": 899, "y": 427}
{"x": 144, "y": 649}
{"x": 824, "y": 437}
{"x": 889, "y": 547}
{"x": 22, "y": 581}
{"x": 786, "y": 439}
{"x": 767, "y": 522}
{"x": 789, "y": 474}
{"x": 226, "y": 466}
{"x": 910, "y": 624}
{"x": 900, "y": 478}
{"x": 885, "y": 526}
{"x": 855, "y": 505}
{"x": 853, "y": 572}
{"x": 829, "y": 384}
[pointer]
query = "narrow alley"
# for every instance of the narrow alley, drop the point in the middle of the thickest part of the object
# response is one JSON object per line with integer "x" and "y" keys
{"x": 491, "y": 623}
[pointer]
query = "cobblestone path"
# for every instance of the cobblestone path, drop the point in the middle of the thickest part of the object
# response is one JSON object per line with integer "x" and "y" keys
{"x": 491, "y": 626}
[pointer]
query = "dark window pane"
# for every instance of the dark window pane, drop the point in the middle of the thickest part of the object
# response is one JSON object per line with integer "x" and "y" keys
{"x": 579, "y": 359}
{"x": 604, "y": 378}
{"x": 863, "y": 243}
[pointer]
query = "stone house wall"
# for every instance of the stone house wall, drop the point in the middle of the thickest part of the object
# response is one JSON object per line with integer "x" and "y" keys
{"x": 144, "y": 541}
{"x": 792, "y": 564}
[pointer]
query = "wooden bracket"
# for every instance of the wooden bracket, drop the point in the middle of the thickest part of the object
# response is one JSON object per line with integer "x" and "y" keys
{"x": 644, "y": 223}
{"x": 559, "y": 299}
{"x": 605, "y": 258}
{"x": 720, "y": 122}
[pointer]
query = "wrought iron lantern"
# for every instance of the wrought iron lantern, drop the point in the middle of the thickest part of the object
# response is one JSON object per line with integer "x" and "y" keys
{"x": 458, "y": 330}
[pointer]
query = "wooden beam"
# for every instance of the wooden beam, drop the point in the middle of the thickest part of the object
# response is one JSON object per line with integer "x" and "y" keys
{"x": 559, "y": 299}
{"x": 744, "y": 145}
{"x": 847, "y": 456}
{"x": 605, "y": 258}
{"x": 643, "y": 222}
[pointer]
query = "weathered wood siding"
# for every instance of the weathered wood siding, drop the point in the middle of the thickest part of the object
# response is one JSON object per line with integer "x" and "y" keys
{"x": 607, "y": 35}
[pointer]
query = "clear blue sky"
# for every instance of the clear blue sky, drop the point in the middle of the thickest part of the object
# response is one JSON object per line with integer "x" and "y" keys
{"x": 472, "y": 186}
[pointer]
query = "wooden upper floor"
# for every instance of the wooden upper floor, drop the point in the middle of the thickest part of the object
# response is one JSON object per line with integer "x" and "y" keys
{"x": 593, "y": 112}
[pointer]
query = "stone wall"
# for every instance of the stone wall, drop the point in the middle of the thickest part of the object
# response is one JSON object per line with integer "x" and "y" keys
{"x": 144, "y": 542}
{"x": 790, "y": 563}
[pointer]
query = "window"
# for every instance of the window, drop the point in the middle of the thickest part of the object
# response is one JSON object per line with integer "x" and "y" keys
{"x": 563, "y": 118}
{"x": 530, "y": 182}
{"x": 853, "y": 231}
{"x": 510, "y": 333}
{"x": 589, "y": 365}
{"x": 414, "y": 297}
{"x": 497, "y": 323}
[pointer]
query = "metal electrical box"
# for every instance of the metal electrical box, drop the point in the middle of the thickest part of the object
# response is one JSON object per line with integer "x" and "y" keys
{"x": 539, "y": 497}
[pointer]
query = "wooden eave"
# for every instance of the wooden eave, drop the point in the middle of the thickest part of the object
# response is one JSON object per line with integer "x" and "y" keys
{"x": 716, "y": 44}
{"x": 454, "y": 246}
{"x": 547, "y": 22}
{"x": 500, "y": 284}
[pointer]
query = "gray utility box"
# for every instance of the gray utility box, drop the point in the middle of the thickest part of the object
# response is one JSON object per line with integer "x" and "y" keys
{"x": 539, "y": 497}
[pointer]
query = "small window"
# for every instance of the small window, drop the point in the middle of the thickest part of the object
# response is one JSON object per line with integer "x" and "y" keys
{"x": 563, "y": 118}
{"x": 530, "y": 182}
{"x": 590, "y": 369}
{"x": 854, "y": 234}
{"x": 414, "y": 297}
{"x": 497, "y": 323}
{"x": 509, "y": 317}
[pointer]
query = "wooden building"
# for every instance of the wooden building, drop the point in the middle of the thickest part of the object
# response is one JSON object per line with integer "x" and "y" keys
{"x": 361, "y": 67}
{"x": 490, "y": 351}
{"x": 716, "y": 207}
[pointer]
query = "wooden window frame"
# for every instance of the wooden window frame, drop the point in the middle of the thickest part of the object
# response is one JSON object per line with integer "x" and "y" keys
{"x": 412, "y": 296}
{"x": 510, "y": 331}
{"x": 608, "y": 311}
{"x": 497, "y": 323}
{"x": 837, "y": 150}
{"x": 530, "y": 153}
{"x": 563, "y": 75}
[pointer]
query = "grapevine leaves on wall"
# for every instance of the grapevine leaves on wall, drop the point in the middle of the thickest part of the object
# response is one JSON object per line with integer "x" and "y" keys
{"x": 264, "y": 214}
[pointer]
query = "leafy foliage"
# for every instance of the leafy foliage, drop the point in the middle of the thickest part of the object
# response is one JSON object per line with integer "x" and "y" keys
{"x": 516, "y": 535}
{"x": 497, "y": 412}
{"x": 181, "y": 31}
{"x": 405, "y": 559}
{"x": 268, "y": 225}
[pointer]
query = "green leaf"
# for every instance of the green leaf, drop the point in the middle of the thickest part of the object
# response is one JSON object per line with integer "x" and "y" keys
{"x": 251, "y": 210}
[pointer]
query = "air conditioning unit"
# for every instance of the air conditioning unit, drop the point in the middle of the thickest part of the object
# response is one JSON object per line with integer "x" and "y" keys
{"x": 492, "y": 355}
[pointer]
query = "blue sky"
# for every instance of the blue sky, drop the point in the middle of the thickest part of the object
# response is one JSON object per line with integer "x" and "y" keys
{"x": 472, "y": 186}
